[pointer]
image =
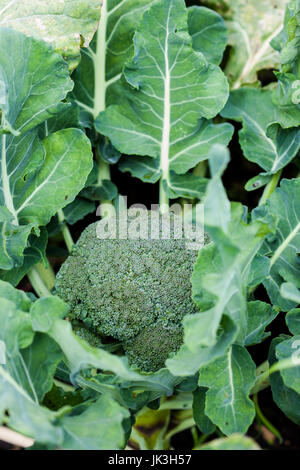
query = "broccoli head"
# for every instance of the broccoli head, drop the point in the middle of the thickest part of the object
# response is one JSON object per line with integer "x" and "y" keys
{"x": 136, "y": 291}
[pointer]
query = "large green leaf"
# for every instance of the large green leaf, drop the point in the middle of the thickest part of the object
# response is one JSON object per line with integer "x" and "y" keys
{"x": 251, "y": 26}
{"x": 220, "y": 278}
{"x": 270, "y": 146}
{"x": 33, "y": 81}
{"x": 167, "y": 88}
{"x": 62, "y": 23}
{"x": 37, "y": 177}
{"x": 103, "y": 61}
{"x": 283, "y": 247}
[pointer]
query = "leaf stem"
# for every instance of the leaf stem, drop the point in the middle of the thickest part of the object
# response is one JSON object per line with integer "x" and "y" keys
{"x": 270, "y": 188}
{"x": 46, "y": 274}
{"x": 201, "y": 169}
{"x": 37, "y": 283}
{"x": 65, "y": 230}
{"x": 163, "y": 198}
{"x": 265, "y": 421}
{"x": 186, "y": 424}
{"x": 103, "y": 169}
{"x": 66, "y": 387}
{"x": 264, "y": 371}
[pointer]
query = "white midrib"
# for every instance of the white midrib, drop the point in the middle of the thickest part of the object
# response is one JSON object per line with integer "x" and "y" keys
{"x": 256, "y": 58}
{"x": 231, "y": 383}
{"x": 5, "y": 182}
{"x": 100, "y": 63}
{"x": 164, "y": 154}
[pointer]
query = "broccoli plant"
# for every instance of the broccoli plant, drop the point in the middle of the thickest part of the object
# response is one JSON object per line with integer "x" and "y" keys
{"x": 149, "y": 340}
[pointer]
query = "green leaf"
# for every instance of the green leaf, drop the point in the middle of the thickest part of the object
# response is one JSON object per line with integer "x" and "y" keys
{"x": 220, "y": 277}
{"x": 202, "y": 421}
{"x": 167, "y": 88}
{"x": 13, "y": 240}
{"x": 18, "y": 297}
{"x": 78, "y": 209}
{"x": 33, "y": 254}
{"x": 289, "y": 350}
{"x": 260, "y": 315}
{"x": 230, "y": 380}
{"x": 100, "y": 427}
{"x": 233, "y": 442}
{"x": 285, "y": 398}
{"x": 291, "y": 48}
{"x": 24, "y": 414}
{"x": 68, "y": 117}
{"x": 216, "y": 204}
{"x": 32, "y": 169}
{"x": 189, "y": 186}
{"x": 65, "y": 24}
{"x": 208, "y": 31}
{"x": 107, "y": 191}
{"x": 287, "y": 99}
{"x": 196, "y": 352}
{"x": 290, "y": 292}
{"x": 284, "y": 246}
{"x": 145, "y": 168}
{"x": 103, "y": 61}
{"x": 293, "y": 321}
{"x": 30, "y": 95}
{"x": 258, "y": 182}
{"x": 24, "y": 365}
{"x": 37, "y": 177}
{"x": 259, "y": 270}
{"x": 41, "y": 359}
{"x": 251, "y": 31}
{"x": 270, "y": 146}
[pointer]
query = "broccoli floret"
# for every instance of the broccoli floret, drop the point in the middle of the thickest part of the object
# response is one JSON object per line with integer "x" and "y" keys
{"x": 88, "y": 336}
{"x": 152, "y": 346}
{"x": 126, "y": 288}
